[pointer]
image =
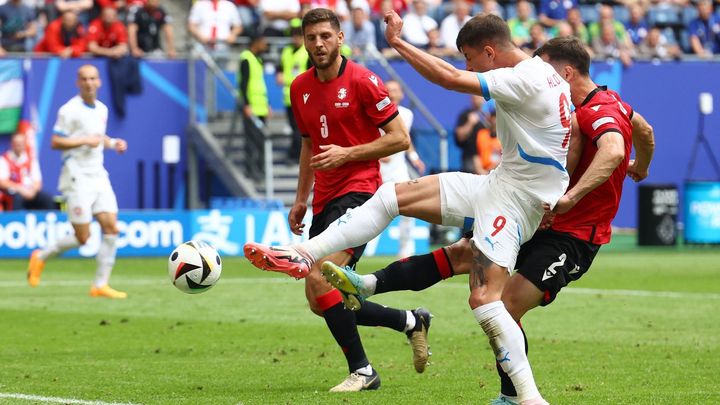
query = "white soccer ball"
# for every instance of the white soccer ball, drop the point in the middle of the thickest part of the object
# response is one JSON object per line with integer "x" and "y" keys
{"x": 194, "y": 267}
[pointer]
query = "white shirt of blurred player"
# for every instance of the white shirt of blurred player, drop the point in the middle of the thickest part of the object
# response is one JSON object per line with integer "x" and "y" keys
{"x": 75, "y": 119}
{"x": 396, "y": 169}
{"x": 449, "y": 29}
{"x": 207, "y": 17}
{"x": 528, "y": 98}
{"x": 28, "y": 177}
{"x": 415, "y": 28}
{"x": 279, "y": 5}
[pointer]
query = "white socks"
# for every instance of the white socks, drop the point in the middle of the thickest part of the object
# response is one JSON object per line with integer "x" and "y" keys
{"x": 508, "y": 344}
{"x": 369, "y": 284}
{"x": 105, "y": 259}
{"x": 67, "y": 242}
{"x": 357, "y": 227}
{"x": 410, "y": 321}
{"x": 366, "y": 371}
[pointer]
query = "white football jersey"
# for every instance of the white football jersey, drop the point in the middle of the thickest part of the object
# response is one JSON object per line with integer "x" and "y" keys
{"x": 396, "y": 170}
{"x": 533, "y": 126}
{"x": 75, "y": 119}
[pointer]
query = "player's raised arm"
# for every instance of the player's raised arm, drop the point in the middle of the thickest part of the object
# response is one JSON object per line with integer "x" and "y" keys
{"x": 431, "y": 67}
{"x": 643, "y": 138}
{"x": 610, "y": 154}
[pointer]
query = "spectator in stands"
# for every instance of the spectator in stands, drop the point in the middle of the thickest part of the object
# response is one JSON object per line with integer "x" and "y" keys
{"x": 491, "y": 7}
{"x": 637, "y": 27}
{"x": 215, "y": 24}
{"x": 380, "y": 41}
{"x": 144, "y": 27}
{"x": 537, "y": 38}
{"x": 277, "y": 15}
{"x": 469, "y": 122}
{"x": 120, "y": 5}
{"x": 521, "y": 23}
{"x": 340, "y": 7}
{"x": 107, "y": 36}
{"x": 64, "y": 37}
{"x": 488, "y": 146}
{"x": 451, "y": 24}
{"x": 249, "y": 17}
{"x": 607, "y": 18}
{"x": 656, "y": 46}
{"x": 554, "y": 11}
{"x": 20, "y": 178}
{"x": 705, "y": 31}
{"x": 579, "y": 29}
{"x": 399, "y": 6}
{"x": 359, "y": 31}
{"x": 80, "y": 7}
{"x": 436, "y": 47}
{"x": 253, "y": 89}
{"x": 609, "y": 46}
{"x": 417, "y": 24}
{"x": 17, "y": 26}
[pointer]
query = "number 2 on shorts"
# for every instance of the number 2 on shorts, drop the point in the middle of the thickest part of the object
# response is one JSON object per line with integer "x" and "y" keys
{"x": 498, "y": 224}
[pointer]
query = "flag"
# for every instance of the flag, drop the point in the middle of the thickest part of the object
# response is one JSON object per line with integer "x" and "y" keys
{"x": 11, "y": 95}
{"x": 29, "y": 123}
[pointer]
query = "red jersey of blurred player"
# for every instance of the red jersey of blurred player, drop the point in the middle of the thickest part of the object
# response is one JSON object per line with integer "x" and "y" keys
{"x": 346, "y": 111}
{"x": 602, "y": 111}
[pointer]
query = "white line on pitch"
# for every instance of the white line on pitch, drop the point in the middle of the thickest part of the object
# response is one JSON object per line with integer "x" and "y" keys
{"x": 265, "y": 280}
{"x": 57, "y": 400}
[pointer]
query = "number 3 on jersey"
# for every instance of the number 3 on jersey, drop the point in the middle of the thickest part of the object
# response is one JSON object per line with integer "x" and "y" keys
{"x": 323, "y": 126}
{"x": 565, "y": 120}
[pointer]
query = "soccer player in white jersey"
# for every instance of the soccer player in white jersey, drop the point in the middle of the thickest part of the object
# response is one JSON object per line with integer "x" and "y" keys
{"x": 533, "y": 126}
{"x": 80, "y": 134}
{"x": 394, "y": 168}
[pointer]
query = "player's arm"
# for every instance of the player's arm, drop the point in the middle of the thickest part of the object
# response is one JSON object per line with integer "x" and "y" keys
{"x": 306, "y": 178}
{"x": 60, "y": 142}
{"x": 643, "y": 138}
{"x": 119, "y": 145}
{"x": 396, "y": 139}
{"x": 610, "y": 153}
{"x": 577, "y": 142}
{"x": 431, "y": 67}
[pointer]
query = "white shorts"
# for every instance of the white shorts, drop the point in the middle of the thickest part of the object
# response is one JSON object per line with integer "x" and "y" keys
{"x": 87, "y": 196}
{"x": 504, "y": 216}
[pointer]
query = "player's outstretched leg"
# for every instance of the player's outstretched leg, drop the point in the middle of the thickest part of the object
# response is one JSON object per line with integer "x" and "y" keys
{"x": 40, "y": 256}
{"x": 283, "y": 259}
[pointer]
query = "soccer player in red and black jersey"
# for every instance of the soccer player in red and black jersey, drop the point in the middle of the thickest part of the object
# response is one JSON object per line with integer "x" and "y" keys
{"x": 604, "y": 130}
{"x": 340, "y": 107}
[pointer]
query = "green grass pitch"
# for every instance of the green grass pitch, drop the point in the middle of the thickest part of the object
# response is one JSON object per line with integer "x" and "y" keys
{"x": 640, "y": 328}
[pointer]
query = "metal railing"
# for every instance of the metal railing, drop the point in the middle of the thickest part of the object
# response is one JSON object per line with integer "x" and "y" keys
{"x": 254, "y": 129}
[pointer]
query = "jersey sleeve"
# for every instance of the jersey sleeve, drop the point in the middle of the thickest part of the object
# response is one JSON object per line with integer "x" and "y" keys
{"x": 375, "y": 100}
{"x": 294, "y": 104}
{"x": 4, "y": 169}
{"x": 593, "y": 124}
{"x": 504, "y": 85}
{"x": 62, "y": 125}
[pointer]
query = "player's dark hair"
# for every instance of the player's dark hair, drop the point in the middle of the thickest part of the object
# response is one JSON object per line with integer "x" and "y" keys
{"x": 568, "y": 50}
{"x": 320, "y": 15}
{"x": 482, "y": 30}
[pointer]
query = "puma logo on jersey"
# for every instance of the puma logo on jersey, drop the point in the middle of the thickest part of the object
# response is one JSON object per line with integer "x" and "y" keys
{"x": 305, "y": 97}
{"x": 374, "y": 80}
{"x": 576, "y": 270}
{"x": 492, "y": 244}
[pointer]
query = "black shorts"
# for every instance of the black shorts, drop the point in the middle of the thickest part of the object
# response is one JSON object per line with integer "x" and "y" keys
{"x": 333, "y": 210}
{"x": 551, "y": 260}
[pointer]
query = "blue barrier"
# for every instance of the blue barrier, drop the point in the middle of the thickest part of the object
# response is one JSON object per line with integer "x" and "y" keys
{"x": 156, "y": 233}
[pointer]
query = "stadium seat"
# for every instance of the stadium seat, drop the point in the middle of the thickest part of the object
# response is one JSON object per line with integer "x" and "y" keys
{"x": 689, "y": 13}
{"x": 589, "y": 13}
{"x": 669, "y": 34}
{"x": 664, "y": 16}
{"x": 622, "y": 14}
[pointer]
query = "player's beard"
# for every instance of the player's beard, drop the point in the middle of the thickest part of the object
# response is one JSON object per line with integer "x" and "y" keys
{"x": 332, "y": 57}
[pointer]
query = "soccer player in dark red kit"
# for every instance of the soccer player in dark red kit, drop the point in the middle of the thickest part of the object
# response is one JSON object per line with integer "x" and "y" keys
{"x": 604, "y": 132}
{"x": 340, "y": 107}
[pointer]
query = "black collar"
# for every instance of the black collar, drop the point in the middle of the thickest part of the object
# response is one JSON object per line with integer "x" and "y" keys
{"x": 342, "y": 67}
{"x": 593, "y": 93}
